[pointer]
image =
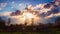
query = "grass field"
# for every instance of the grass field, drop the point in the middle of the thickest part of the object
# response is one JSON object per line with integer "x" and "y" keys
{"x": 57, "y": 32}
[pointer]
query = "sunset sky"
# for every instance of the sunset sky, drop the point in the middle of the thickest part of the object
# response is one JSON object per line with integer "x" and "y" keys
{"x": 49, "y": 10}
{"x": 12, "y": 5}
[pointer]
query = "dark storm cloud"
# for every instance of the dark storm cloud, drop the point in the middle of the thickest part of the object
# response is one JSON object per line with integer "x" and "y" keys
{"x": 17, "y": 12}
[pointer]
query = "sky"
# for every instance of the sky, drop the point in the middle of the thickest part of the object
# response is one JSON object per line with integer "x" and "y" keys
{"x": 49, "y": 10}
{"x": 12, "y": 5}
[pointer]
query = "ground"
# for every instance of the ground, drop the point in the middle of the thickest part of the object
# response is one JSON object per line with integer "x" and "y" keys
{"x": 57, "y": 32}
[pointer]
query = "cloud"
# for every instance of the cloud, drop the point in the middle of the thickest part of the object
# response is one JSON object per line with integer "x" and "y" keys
{"x": 57, "y": 2}
{"x": 0, "y": 8}
{"x": 30, "y": 7}
{"x": 12, "y": 2}
{"x": 5, "y": 13}
{"x": 47, "y": 13}
{"x": 12, "y": 7}
{"x": 41, "y": 6}
{"x": 17, "y": 12}
{"x": 51, "y": 18}
{"x": 20, "y": 4}
{"x": 2, "y": 5}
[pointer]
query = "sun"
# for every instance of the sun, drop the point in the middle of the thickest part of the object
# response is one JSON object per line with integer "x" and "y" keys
{"x": 28, "y": 15}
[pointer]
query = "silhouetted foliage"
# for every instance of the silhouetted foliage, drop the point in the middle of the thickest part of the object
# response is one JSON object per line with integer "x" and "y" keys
{"x": 2, "y": 24}
{"x": 9, "y": 20}
{"x": 36, "y": 28}
{"x": 57, "y": 21}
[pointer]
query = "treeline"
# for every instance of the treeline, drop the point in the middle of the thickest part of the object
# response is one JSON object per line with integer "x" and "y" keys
{"x": 31, "y": 28}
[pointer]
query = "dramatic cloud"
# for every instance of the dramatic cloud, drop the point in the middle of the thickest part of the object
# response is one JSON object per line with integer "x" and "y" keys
{"x": 46, "y": 13}
{"x": 57, "y": 2}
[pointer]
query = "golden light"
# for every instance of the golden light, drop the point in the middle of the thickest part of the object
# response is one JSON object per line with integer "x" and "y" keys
{"x": 28, "y": 15}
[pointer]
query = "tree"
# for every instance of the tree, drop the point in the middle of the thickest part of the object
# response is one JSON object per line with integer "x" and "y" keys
{"x": 2, "y": 24}
{"x": 9, "y": 20}
{"x": 57, "y": 21}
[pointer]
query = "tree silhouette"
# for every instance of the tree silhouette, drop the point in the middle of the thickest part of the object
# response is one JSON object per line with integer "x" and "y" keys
{"x": 9, "y": 20}
{"x": 2, "y": 24}
{"x": 57, "y": 21}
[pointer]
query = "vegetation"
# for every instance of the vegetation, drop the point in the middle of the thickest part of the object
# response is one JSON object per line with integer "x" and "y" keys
{"x": 48, "y": 28}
